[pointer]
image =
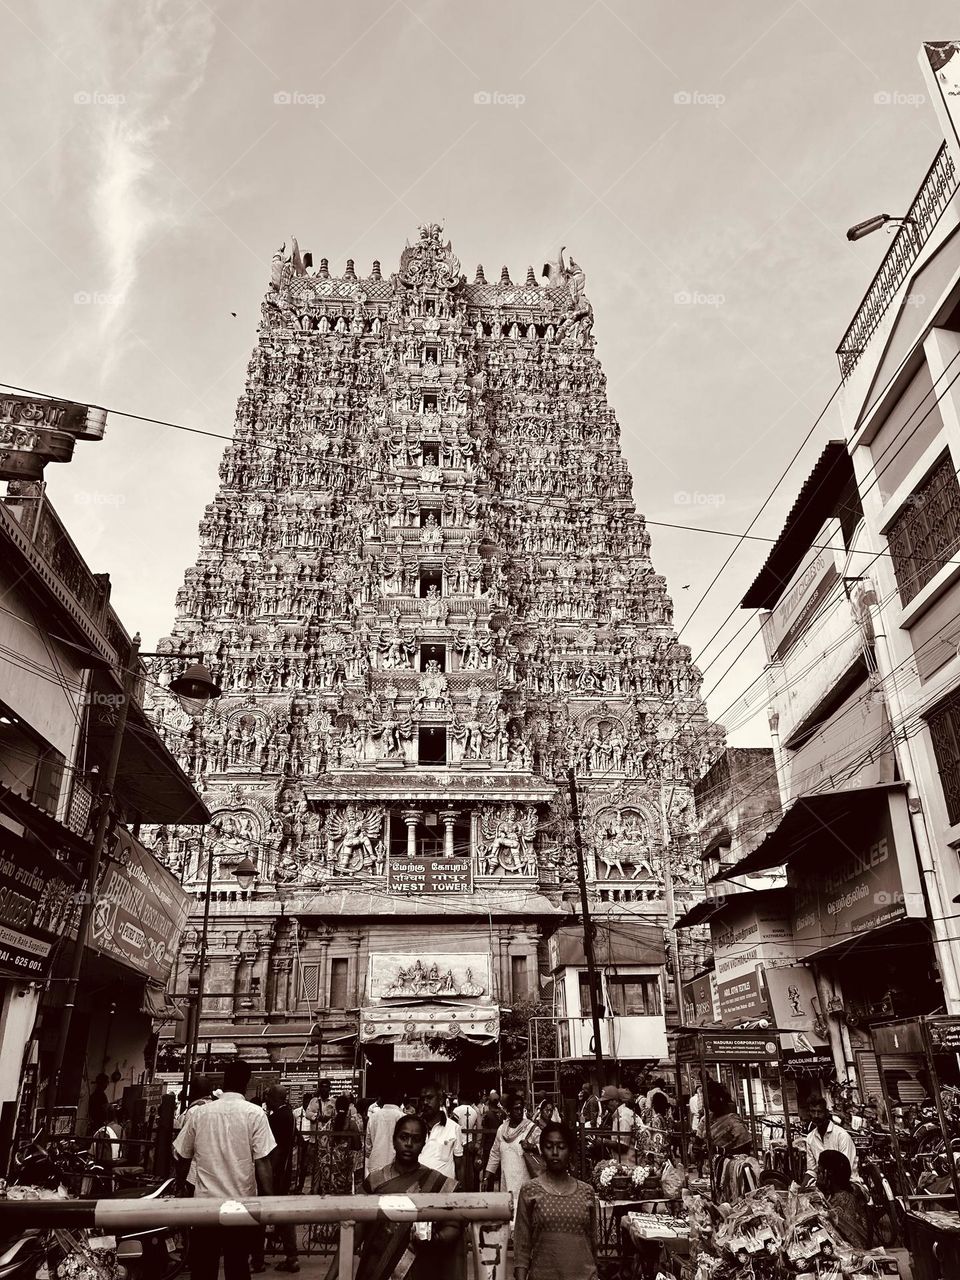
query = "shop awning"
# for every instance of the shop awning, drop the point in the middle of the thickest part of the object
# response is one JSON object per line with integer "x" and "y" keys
{"x": 809, "y": 818}
{"x": 699, "y": 913}
{"x": 160, "y": 1005}
{"x": 616, "y": 941}
{"x": 394, "y": 1024}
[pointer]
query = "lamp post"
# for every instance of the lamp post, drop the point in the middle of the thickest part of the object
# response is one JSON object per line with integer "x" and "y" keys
{"x": 245, "y": 873}
{"x": 195, "y": 687}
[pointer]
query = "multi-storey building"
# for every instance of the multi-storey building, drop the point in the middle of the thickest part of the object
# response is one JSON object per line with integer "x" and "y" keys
{"x": 64, "y": 658}
{"x": 427, "y": 594}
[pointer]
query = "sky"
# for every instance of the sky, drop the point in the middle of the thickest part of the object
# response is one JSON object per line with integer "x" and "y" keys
{"x": 701, "y": 162}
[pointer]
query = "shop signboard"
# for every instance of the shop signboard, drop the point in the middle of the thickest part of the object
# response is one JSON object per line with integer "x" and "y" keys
{"x": 746, "y": 935}
{"x": 727, "y": 1047}
{"x": 792, "y": 994}
{"x": 700, "y": 1002}
{"x": 944, "y": 1034}
{"x": 139, "y": 912}
{"x": 37, "y": 904}
{"x": 834, "y": 756}
{"x": 430, "y": 875}
{"x": 782, "y": 625}
{"x": 867, "y": 880}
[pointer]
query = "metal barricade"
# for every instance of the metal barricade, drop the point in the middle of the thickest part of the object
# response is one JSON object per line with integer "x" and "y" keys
{"x": 342, "y": 1212}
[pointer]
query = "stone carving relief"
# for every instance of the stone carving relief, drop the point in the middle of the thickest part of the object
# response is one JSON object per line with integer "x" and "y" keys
{"x": 506, "y": 844}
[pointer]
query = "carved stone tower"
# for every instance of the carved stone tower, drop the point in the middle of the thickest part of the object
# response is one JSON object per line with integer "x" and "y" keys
{"x": 425, "y": 590}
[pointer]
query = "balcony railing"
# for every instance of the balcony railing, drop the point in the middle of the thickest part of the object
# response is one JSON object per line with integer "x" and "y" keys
{"x": 929, "y": 203}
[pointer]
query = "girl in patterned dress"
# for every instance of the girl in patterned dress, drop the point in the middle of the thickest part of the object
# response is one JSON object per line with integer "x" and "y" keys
{"x": 555, "y": 1233}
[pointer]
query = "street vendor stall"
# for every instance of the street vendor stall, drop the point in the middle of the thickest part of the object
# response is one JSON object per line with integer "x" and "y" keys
{"x": 928, "y": 1182}
{"x": 749, "y": 1066}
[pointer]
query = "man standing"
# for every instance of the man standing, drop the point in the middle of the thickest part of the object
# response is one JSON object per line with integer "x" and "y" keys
{"x": 280, "y": 1117}
{"x": 467, "y": 1117}
{"x": 323, "y": 1108}
{"x": 826, "y": 1136}
{"x": 490, "y": 1122}
{"x": 444, "y": 1143}
{"x": 588, "y": 1111}
{"x": 306, "y": 1144}
{"x": 378, "y": 1143}
{"x": 229, "y": 1142}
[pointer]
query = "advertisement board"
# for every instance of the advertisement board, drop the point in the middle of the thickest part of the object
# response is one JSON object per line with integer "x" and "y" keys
{"x": 813, "y": 582}
{"x": 746, "y": 936}
{"x": 868, "y": 879}
{"x": 37, "y": 904}
{"x": 139, "y": 912}
{"x": 699, "y": 998}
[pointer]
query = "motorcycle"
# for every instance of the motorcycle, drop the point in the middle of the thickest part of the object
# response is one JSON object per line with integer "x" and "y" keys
{"x": 155, "y": 1253}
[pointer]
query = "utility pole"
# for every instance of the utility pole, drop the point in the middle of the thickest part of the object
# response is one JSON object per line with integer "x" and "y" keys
{"x": 668, "y": 901}
{"x": 593, "y": 977}
{"x": 93, "y": 876}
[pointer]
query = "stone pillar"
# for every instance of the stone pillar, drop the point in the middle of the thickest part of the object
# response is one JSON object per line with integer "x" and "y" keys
{"x": 448, "y": 817}
{"x": 411, "y": 817}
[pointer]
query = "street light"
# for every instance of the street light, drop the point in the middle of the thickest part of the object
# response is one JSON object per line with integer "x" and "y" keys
{"x": 245, "y": 872}
{"x": 195, "y": 688}
{"x": 870, "y": 225}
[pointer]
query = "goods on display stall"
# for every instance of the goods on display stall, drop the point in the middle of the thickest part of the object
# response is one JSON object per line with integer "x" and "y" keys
{"x": 773, "y": 1235}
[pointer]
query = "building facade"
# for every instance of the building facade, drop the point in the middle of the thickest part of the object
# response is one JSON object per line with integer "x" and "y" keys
{"x": 64, "y": 652}
{"x": 427, "y": 594}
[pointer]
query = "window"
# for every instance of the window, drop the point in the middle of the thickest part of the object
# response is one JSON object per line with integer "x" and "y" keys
{"x": 430, "y": 452}
{"x": 339, "y": 971}
{"x": 433, "y": 653}
{"x": 586, "y": 1004}
{"x": 926, "y": 534}
{"x": 519, "y": 983}
{"x": 429, "y": 406}
{"x": 426, "y": 513}
{"x": 432, "y": 746}
{"x": 634, "y": 997}
{"x": 431, "y": 578}
{"x": 430, "y": 836}
{"x": 29, "y": 766}
{"x": 944, "y": 722}
{"x": 431, "y": 354}
{"x": 310, "y": 984}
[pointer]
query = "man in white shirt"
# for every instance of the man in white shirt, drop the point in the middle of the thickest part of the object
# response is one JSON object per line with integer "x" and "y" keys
{"x": 378, "y": 1144}
{"x": 229, "y": 1142}
{"x": 444, "y": 1144}
{"x": 467, "y": 1117}
{"x": 826, "y": 1136}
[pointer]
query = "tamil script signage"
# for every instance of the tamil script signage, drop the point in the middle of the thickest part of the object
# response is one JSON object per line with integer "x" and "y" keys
{"x": 139, "y": 912}
{"x": 37, "y": 904}
{"x": 430, "y": 875}
{"x": 867, "y": 880}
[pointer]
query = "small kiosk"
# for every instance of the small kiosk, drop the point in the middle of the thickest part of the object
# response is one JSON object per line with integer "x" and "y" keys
{"x": 931, "y": 1218}
{"x": 749, "y": 1064}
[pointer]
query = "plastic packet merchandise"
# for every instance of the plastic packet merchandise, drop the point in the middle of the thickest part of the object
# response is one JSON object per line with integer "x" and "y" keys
{"x": 754, "y": 1226}
{"x": 703, "y": 1218}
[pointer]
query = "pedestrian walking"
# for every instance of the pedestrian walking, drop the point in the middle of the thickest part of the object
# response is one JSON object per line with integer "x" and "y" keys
{"x": 508, "y": 1155}
{"x": 282, "y": 1126}
{"x": 556, "y": 1220}
{"x": 229, "y": 1141}
{"x": 444, "y": 1145}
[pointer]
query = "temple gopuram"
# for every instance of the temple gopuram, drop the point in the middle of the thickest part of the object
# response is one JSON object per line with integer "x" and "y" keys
{"x": 427, "y": 595}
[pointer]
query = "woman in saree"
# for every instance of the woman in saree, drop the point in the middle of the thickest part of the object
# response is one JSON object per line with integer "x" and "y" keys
{"x": 398, "y": 1250}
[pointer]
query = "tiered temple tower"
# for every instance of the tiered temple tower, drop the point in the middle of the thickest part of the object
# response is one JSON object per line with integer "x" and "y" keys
{"x": 425, "y": 590}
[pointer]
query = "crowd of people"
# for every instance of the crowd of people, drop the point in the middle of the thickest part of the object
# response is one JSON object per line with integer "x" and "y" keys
{"x": 234, "y": 1149}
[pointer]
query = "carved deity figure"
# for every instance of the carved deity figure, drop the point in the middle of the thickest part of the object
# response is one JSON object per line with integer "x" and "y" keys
{"x": 507, "y": 836}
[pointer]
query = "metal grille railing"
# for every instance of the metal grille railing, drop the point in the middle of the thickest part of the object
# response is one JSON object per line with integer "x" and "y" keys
{"x": 930, "y": 201}
{"x": 926, "y": 534}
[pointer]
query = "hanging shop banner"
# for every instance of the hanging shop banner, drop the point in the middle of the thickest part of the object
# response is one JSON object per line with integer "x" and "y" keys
{"x": 430, "y": 875}
{"x": 737, "y": 1047}
{"x": 140, "y": 911}
{"x": 792, "y": 994}
{"x": 810, "y": 586}
{"x": 835, "y": 756}
{"x": 867, "y": 880}
{"x": 743, "y": 997}
{"x": 37, "y": 905}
